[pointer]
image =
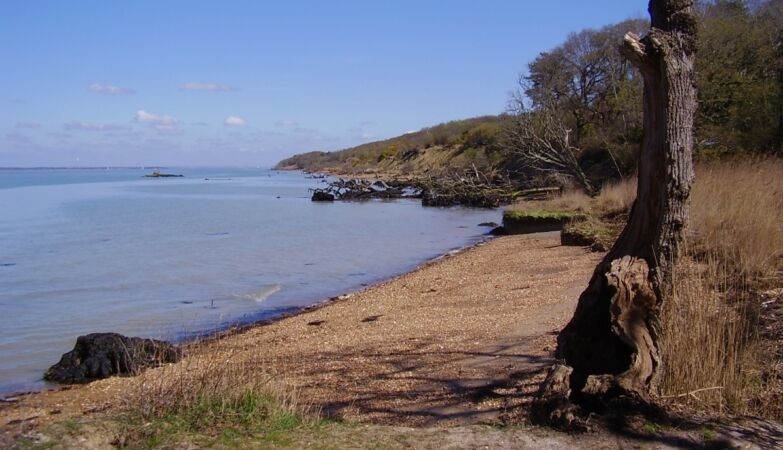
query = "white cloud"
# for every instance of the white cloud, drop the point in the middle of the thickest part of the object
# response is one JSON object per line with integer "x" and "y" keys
{"x": 235, "y": 121}
{"x": 108, "y": 89}
{"x": 160, "y": 123}
{"x": 86, "y": 126}
{"x": 212, "y": 87}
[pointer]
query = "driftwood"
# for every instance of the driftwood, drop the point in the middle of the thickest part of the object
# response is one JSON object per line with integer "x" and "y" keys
{"x": 470, "y": 188}
{"x": 347, "y": 189}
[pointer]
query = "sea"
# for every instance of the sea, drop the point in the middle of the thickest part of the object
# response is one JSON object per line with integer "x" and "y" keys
{"x": 109, "y": 250}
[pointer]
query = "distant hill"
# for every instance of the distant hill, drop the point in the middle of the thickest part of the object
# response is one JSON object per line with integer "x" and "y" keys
{"x": 455, "y": 145}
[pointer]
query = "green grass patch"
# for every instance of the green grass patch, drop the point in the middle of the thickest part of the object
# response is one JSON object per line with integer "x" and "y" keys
{"x": 522, "y": 215}
{"x": 211, "y": 421}
{"x": 593, "y": 232}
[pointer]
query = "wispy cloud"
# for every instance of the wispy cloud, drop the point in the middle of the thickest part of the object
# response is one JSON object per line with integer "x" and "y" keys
{"x": 18, "y": 139}
{"x": 59, "y": 135}
{"x": 27, "y": 125}
{"x": 235, "y": 121}
{"x": 211, "y": 87}
{"x": 109, "y": 89}
{"x": 159, "y": 123}
{"x": 87, "y": 126}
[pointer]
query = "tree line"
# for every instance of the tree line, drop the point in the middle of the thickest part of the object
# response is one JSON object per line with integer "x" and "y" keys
{"x": 577, "y": 108}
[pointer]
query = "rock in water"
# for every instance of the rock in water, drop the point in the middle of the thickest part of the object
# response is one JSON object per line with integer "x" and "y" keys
{"x": 101, "y": 355}
{"x": 322, "y": 196}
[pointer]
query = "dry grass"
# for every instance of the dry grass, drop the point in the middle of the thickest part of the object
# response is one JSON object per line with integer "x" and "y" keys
{"x": 710, "y": 325}
{"x": 709, "y": 346}
{"x": 711, "y": 342}
{"x": 737, "y": 216}
{"x": 615, "y": 198}
{"x": 215, "y": 388}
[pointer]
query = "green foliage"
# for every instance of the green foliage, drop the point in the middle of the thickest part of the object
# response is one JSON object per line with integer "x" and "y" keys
{"x": 480, "y": 132}
{"x": 596, "y": 90}
{"x": 485, "y": 135}
{"x": 739, "y": 67}
{"x": 389, "y": 152}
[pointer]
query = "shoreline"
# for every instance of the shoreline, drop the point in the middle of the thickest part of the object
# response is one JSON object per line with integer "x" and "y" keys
{"x": 177, "y": 307}
{"x": 234, "y": 330}
{"x": 387, "y": 353}
{"x": 220, "y": 333}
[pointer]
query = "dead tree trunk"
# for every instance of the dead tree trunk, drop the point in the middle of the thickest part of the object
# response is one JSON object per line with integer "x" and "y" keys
{"x": 612, "y": 340}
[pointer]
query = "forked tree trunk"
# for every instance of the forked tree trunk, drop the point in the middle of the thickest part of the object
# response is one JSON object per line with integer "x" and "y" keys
{"x": 612, "y": 340}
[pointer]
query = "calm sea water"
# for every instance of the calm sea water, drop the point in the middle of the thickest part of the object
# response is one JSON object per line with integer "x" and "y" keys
{"x": 89, "y": 250}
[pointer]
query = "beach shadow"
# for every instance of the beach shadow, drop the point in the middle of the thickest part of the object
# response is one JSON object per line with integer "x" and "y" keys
{"x": 422, "y": 385}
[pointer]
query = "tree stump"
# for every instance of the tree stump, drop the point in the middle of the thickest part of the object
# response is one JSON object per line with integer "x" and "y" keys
{"x": 611, "y": 343}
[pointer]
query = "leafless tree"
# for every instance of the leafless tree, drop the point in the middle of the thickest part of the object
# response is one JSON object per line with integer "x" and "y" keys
{"x": 544, "y": 143}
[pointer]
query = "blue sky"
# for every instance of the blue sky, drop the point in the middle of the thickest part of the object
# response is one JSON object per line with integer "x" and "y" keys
{"x": 246, "y": 83}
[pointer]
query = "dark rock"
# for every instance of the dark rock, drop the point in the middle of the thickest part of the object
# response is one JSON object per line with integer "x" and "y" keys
{"x": 101, "y": 355}
{"x": 321, "y": 196}
{"x": 528, "y": 225}
{"x": 488, "y": 224}
{"x": 157, "y": 174}
{"x": 498, "y": 231}
{"x": 573, "y": 238}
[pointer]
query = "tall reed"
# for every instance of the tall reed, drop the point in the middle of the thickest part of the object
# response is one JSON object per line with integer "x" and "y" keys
{"x": 714, "y": 359}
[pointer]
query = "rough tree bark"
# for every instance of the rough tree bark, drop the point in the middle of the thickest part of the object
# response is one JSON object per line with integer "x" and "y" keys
{"x": 612, "y": 340}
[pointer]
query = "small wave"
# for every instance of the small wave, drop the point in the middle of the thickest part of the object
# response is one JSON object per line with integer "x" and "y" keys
{"x": 263, "y": 294}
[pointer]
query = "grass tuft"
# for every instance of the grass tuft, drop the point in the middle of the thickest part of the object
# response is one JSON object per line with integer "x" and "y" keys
{"x": 216, "y": 393}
